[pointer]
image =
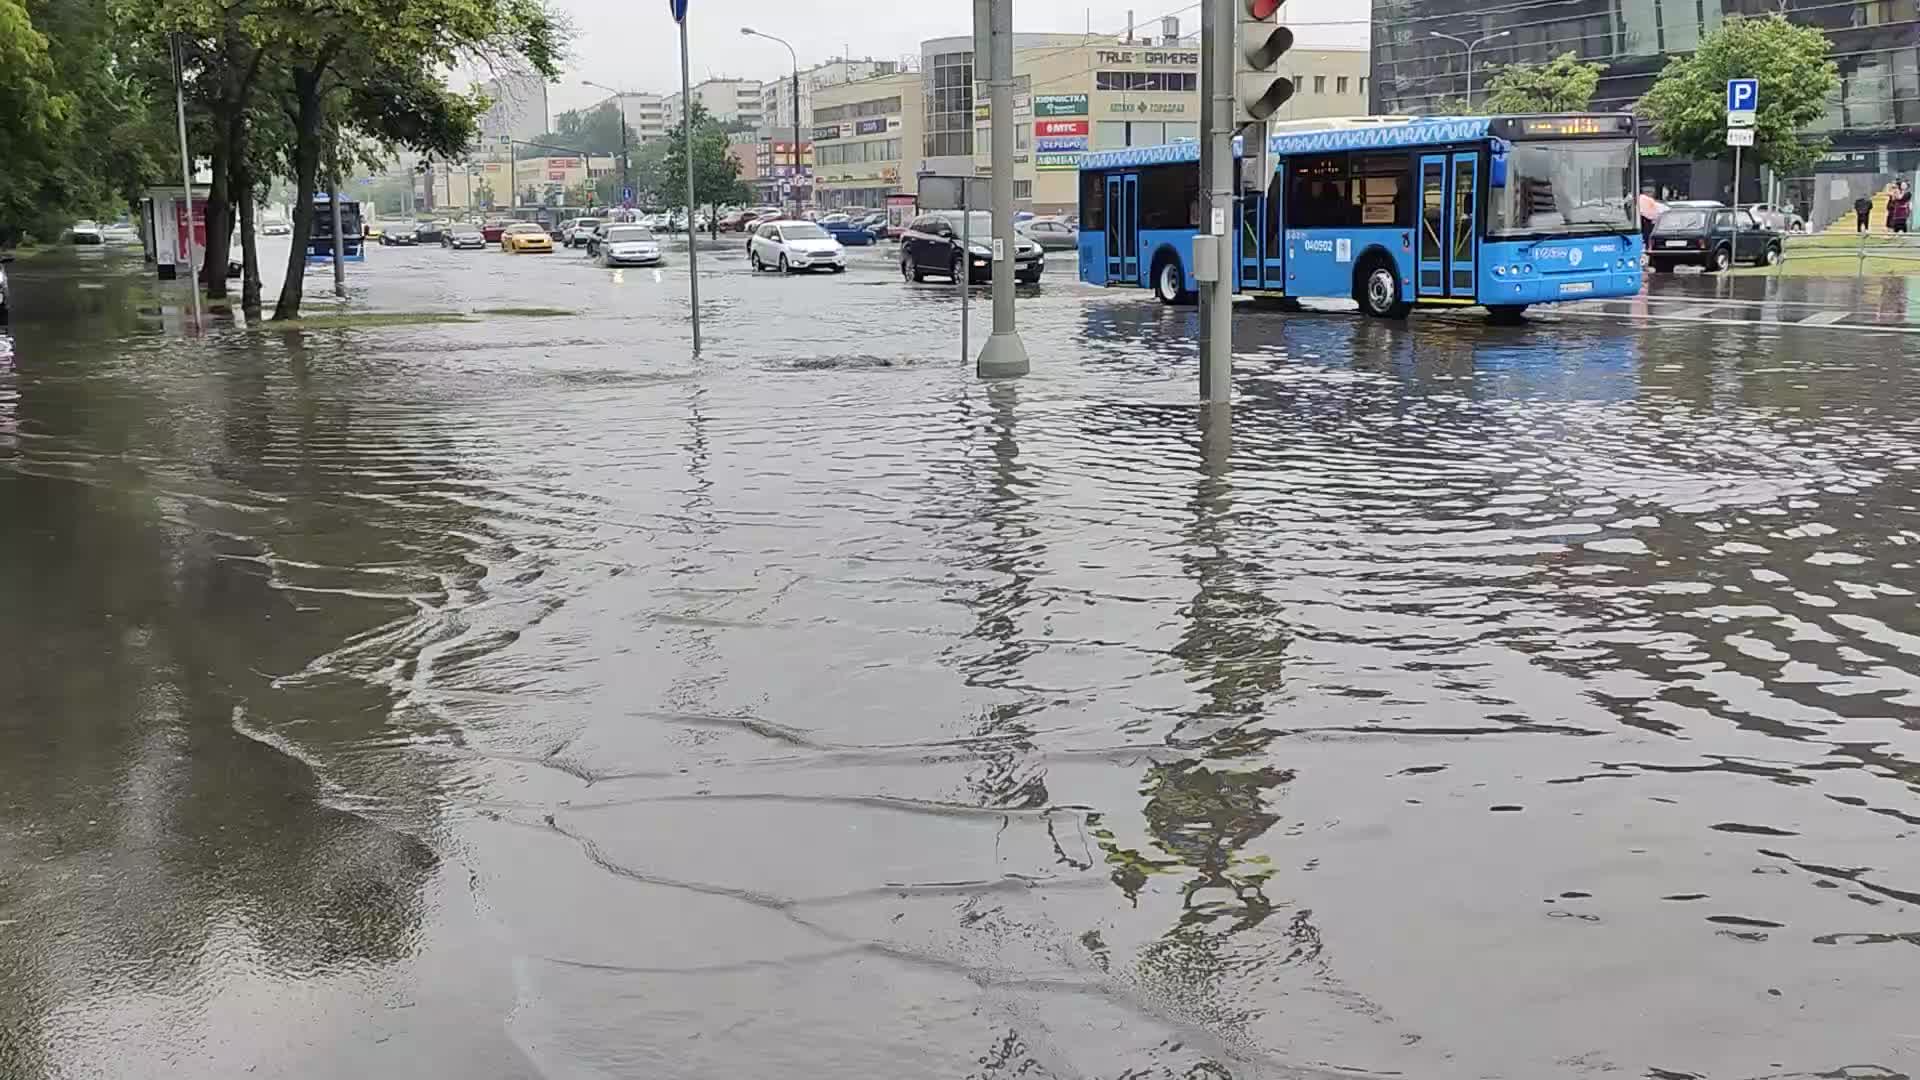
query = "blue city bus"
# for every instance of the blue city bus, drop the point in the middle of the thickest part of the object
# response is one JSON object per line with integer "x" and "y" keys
{"x": 1392, "y": 212}
{"x": 320, "y": 241}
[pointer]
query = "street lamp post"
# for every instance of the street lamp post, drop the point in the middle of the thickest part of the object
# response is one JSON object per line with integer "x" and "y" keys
{"x": 750, "y": 32}
{"x": 626, "y": 184}
{"x": 1470, "y": 46}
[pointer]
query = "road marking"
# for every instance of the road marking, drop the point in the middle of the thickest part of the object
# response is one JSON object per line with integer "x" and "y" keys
{"x": 1824, "y": 318}
{"x": 1695, "y": 316}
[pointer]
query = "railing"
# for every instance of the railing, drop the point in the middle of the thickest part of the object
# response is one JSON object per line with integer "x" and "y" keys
{"x": 1841, "y": 254}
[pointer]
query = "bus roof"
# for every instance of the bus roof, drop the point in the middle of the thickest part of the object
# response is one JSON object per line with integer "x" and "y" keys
{"x": 1309, "y": 136}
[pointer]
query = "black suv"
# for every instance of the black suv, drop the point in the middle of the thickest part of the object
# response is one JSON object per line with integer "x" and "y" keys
{"x": 931, "y": 247}
{"x": 1707, "y": 237}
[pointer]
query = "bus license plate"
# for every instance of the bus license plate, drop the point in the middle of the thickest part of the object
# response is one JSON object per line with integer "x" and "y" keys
{"x": 1575, "y": 287}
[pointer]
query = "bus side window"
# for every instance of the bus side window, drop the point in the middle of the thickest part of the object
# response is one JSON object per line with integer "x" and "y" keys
{"x": 1382, "y": 190}
{"x": 1317, "y": 198}
{"x": 1093, "y": 201}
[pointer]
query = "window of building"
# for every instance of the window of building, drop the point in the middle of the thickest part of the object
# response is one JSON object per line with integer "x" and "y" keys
{"x": 1340, "y": 85}
{"x": 947, "y": 85}
{"x": 1178, "y": 130}
{"x": 1170, "y": 197}
{"x": 1363, "y": 84}
{"x": 1319, "y": 84}
{"x": 1023, "y": 189}
{"x": 1022, "y": 136}
{"x": 1147, "y": 81}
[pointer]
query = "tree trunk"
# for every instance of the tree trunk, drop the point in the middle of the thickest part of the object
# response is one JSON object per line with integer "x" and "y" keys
{"x": 243, "y": 193}
{"x": 213, "y": 268}
{"x": 306, "y": 167}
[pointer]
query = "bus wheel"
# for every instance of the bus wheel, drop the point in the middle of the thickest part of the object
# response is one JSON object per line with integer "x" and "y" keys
{"x": 1169, "y": 281}
{"x": 1506, "y": 314}
{"x": 1379, "y": 291}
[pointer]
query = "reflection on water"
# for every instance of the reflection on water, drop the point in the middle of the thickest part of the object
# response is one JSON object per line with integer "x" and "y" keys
{"x": 505, "y": 700}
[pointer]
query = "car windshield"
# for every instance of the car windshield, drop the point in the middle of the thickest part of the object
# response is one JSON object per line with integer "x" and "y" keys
{"x": 1681, "y": 220}
{"x": 802, "y": 232}
{"x": 524, "y": 227}
{"x": 629, "y": 234}
{"x": 1565, "y": 187}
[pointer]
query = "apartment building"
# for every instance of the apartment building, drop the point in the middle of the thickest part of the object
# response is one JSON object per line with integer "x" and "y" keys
{"x": 867, "y": 140}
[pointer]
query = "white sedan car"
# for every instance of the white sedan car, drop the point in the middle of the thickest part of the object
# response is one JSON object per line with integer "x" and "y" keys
{"x": 629, "y": 245}
{"x": 787, "y": 246}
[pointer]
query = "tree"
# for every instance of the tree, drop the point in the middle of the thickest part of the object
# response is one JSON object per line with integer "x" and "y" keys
{"x": 1563, "y": 84}
{"x": 716, "y": 176}
{"x": 1797, "y": 75}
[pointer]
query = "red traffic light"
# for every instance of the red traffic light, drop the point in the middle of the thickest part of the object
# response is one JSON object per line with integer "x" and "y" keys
{"x": 1263, "y": 9}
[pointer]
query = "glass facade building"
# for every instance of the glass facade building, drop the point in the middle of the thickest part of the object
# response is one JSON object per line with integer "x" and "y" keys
{"x": 1873, "y": 120}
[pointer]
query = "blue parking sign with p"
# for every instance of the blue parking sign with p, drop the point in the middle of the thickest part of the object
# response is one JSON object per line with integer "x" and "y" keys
{"x": 1743, "y": 95}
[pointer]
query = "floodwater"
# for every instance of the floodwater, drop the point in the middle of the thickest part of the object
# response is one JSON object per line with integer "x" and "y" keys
{"x": 525, "y": 698}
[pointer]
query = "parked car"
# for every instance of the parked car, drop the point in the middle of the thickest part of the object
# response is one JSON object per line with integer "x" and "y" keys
{"x": 275, "y": 227}
{"x": 429, "y": 232}
{"x": 525, "y": 236}
{"x": 931, "y": 246}
{"x": 629, "y": 245}
{"x": 86, "y": 231}
{"x": 463, "y": 238}
{"x": 1778, "y": 217}
{"x": 1712, "y": 238}
{"x": 492, "y": 230}
{"x": 1052, "y": 234}
{"x": 846, "y": 231}
{"x": 737, "y": 221}
{"x": 394, "y": 234}
{"x": 571, "y": 229}
{"x": 795, "y": 245}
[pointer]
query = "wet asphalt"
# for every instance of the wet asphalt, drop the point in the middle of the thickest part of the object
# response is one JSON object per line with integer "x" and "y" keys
{"x": 527, "y": 697}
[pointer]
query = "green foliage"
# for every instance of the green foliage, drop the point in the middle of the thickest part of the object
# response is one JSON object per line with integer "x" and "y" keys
{"x": 1563, "y": 84}
{"x": 1797, "y": 75}
{"x": 716, "y": 176}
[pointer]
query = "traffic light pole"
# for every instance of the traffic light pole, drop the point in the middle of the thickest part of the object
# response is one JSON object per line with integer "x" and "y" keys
{"x": 1218, "y": 29}
{"x": 1004, "y": 356}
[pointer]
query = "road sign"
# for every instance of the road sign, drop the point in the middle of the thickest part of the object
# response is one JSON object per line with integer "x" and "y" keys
{"x": 626, "y": 194}
{"x": 1743, "y": 95}
{"x": 1741, "y": 136}
{"x": 678, "y": 8}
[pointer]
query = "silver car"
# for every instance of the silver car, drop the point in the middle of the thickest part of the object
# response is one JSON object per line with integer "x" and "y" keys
{"x": 1052, "y": 234}
{"x": 629, "y": 245}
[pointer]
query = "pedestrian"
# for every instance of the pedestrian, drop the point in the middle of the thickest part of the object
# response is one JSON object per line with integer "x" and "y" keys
{"x": 1900, "y": 207}
{"x": 1650, "y": 211}
{"x": 1862, "y": 206}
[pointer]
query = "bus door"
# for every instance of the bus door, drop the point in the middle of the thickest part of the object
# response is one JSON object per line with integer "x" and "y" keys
{"x": 1123, "y": 229}
{"x": 1253, "y": 209}
{"x": 1272, "y": 255}
{"x": 1449, "y": 209}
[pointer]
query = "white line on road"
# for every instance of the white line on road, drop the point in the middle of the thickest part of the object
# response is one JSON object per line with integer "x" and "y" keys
{"x": 1824, "y": 318}
{"x": 1697, "y": 315}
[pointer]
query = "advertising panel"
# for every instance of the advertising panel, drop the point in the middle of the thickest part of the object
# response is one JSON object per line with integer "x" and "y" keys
{"x": 870, "y": 127}
{"x": 1047, "y": 128}
{"x": 1060, "y": 105}
{"x": 1056, "y": 162}
{"x": 1059, "y": 144}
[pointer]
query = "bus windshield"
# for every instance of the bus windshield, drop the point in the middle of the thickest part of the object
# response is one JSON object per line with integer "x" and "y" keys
{"x": 1569, "y": 187}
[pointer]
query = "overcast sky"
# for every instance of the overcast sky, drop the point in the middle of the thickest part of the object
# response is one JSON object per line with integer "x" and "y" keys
{"x": 633, "y": 44}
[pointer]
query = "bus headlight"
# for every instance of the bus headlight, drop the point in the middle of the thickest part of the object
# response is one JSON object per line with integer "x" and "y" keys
{"x": 1514, "y": 269}
{"x": 1527, "y": 269}
{"x": 1499, "y": 271}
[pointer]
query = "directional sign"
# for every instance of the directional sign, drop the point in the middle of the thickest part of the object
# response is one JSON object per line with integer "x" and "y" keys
{"x": 1740, "y": 136}
{"x": 678, "y": 8}
{"x": 1743, "y": 95}
{"x": 626, "y": 194}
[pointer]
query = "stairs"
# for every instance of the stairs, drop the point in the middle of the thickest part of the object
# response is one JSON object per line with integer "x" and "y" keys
{"x": 1876, "y": 221}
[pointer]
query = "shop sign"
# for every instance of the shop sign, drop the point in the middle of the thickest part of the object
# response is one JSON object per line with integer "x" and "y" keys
{"x": 1061, "y": 144}
{"x": 1047, "y": 128}
{"x": 1137, "y": 108}
{"x": 870, "y": 127}
{"x": 1056, "y": 162}
{"x": 1060, "y": 105}
{"x": 825, "y": 132}
{"x": 1182, "y": 58}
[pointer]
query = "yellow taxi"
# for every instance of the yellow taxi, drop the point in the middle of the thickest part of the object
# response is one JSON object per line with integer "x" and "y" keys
{"x": 525, "y": 236}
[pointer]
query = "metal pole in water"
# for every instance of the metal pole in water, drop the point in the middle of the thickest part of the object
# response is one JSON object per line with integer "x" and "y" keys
{"x": 339, "y": 241}
{"x": 186, "y": 169}
{"x": 1216, "y": 359}
{"x": 686, "y": 126}
{"x": 1005, "y": 355}
{"x": 963, "y": 277}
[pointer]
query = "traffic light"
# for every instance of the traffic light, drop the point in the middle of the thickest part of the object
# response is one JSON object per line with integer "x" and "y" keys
{"x": 1259, "y": 43}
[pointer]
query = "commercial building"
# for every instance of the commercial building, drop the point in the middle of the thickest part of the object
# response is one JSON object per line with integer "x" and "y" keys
{"x": 552, "y": 180}
{"x": 734, "y": 102}
{"x": 867, "y": 139}
{"x": 1873, "y": 120}
{"x": 777, "y": 178}
{"x": 1078, "y": 92}
{"x": 516, "y": 110}
{"x": 776, "y": 95}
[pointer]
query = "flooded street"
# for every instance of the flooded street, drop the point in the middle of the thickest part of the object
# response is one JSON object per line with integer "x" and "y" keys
{"x": 523, "y": 697}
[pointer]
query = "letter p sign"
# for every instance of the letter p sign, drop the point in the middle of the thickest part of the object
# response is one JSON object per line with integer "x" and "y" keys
{"x": 1743, "y": 95}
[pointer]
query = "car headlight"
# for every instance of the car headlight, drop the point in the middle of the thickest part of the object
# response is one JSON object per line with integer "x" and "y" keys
{"x": 981, "y": 249}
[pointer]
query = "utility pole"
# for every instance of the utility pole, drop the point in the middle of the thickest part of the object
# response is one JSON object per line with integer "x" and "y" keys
{"x": 186, "y": 166}
{"x": 678, "y": 8}
{"x": 339, "y": 241}
{"x": 1218, "y": 29}
{"x": 1005, "y": 356}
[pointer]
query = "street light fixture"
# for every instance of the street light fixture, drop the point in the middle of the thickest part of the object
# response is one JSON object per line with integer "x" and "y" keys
{"x": 1470, "y": 46}
{"x": 626, "y": 184}
{"x": 749, "y": 31}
